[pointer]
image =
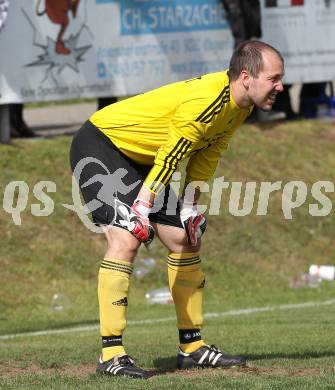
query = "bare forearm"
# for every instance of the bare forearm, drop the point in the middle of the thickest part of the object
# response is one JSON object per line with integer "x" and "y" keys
{"x": 191, "y": 194}
{"x": 146, "y": 195}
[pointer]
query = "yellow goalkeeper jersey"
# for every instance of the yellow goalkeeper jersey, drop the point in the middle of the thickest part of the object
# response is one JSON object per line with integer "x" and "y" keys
{"x": 194, "y": 118}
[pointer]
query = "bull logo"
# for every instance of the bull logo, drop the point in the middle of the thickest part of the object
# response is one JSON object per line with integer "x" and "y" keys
{"x": 60, "y": 52}
{"x": 57, "y": 11}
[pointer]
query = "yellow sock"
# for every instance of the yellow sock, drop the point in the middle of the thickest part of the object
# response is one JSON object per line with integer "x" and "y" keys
{"x": 113, "y": 290}
{"x": 191, "y": 347}
{"x": 186, "y": 281}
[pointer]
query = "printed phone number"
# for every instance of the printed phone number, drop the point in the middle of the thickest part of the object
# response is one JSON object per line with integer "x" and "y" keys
{"x": 131, "y": 69}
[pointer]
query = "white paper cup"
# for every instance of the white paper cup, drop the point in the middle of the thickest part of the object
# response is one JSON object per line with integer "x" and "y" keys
{"x": 326, "y": 272}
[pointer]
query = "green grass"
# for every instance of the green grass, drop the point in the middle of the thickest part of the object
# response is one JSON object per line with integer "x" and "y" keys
{"x": 286, "y": 349}
{"x": 248, "y": 262}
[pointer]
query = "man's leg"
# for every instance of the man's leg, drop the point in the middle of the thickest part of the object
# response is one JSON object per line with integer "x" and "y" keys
{"x": 236, "y": 20}
{"x": 116, "y": 268}
{"x": 186, "y": 282}
{"x": 113, "y": 289}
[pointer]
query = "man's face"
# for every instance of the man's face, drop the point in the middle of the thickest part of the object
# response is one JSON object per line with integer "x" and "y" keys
{"x": 263, "y": 90}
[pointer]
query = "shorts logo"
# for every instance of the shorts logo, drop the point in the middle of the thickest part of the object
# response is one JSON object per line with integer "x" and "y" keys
{"x": 124, "y": 216}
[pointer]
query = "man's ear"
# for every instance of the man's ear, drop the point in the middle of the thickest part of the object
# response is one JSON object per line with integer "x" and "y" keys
{"x": 245, "y": 78}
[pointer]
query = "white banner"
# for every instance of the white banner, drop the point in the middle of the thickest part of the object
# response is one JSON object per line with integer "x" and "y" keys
{"x": 303, "y": 31}
{"x": 62, "y": 49}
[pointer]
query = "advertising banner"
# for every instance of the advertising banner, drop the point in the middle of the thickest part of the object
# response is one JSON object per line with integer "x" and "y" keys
{"x": 63, "y": 49}
{"x": 87, "y": 48}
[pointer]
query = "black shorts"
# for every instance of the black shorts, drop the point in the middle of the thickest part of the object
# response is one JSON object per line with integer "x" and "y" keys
{"x": 110, "y": 181}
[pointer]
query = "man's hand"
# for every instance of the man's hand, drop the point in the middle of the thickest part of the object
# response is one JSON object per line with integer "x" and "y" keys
{"x": 194, "y": 224}
{"x": 139, "y": 225}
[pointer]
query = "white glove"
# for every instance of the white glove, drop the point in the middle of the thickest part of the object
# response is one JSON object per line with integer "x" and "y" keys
{"x": 135, "y": 219}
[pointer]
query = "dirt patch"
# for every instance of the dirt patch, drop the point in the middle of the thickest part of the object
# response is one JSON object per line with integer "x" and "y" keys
{"x": 79, "y": 371}
{"x": 83, "y": 371}
{"x": 13, "y": 372}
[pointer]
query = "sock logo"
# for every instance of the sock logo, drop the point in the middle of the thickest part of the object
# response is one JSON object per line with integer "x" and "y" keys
{"x": 202, "y": 285}
{"x": 111, "y": 341}
{"x": 189, "y": 335}
{"x": 196, "y": 334}
{"x": 121, "y": 302}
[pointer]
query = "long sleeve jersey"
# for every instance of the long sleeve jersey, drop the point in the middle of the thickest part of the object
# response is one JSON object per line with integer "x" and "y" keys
{"x": 194, "y": 118}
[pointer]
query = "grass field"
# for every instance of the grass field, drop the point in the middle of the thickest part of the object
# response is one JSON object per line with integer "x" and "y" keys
{"x": 290, "y": 348}
{"x": 248, "y": 261}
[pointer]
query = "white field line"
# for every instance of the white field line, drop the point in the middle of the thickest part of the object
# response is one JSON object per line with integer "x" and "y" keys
{"x": 237, "y": 312}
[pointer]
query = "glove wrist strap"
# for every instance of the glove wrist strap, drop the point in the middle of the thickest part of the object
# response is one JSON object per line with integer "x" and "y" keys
{"x": 142, "y": 207}
{"x": 187, "y": 205}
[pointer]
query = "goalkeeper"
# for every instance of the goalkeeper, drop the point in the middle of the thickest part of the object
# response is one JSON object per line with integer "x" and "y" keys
{"x": 141, "y": 141}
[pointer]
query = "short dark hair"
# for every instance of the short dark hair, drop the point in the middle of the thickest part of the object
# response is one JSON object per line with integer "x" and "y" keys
{"x": 248, "y": 56}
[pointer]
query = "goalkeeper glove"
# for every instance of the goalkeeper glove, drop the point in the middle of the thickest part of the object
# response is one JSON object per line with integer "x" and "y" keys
{"x": 139, "y": 225}
{"x": 194, "y": 223}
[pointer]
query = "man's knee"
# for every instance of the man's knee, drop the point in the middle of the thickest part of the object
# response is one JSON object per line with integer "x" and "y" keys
{"x": 183, "y": 246}
{"x": 175, "y": 239}
{"x": 120, "y": 241}
{"x": 181, "y": 241}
